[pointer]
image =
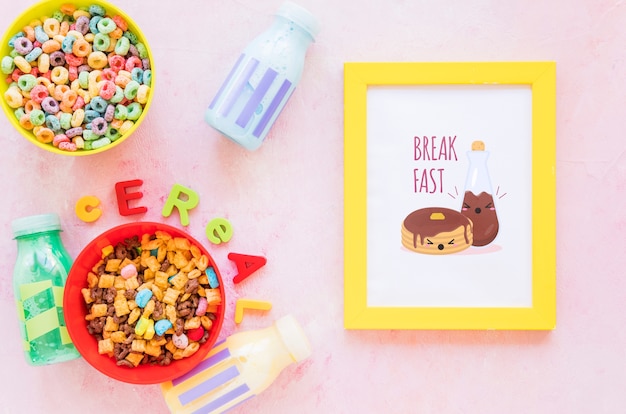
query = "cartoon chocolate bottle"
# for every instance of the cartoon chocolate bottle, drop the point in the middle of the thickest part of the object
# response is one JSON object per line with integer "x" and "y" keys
{"x": 478, "y": 203}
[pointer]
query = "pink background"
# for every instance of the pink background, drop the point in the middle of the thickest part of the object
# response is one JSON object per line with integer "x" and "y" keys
{"x": 285, "y": 202}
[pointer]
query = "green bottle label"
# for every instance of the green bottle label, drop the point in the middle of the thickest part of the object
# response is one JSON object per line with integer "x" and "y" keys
{"x": 40, "y": 308}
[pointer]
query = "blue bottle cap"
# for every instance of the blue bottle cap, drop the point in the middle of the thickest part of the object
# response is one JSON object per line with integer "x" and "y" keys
{"x": 35, "y": 224}
{"x": 301, "y": 16}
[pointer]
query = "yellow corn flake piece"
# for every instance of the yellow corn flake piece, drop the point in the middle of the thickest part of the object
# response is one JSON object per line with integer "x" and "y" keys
{"x": 170, "y": 296}
{"x": 113, "y": 265}
{"x": 92, "y": 280}
{"x": 171, "y": 245}
{"x": 178, "y": 282}
{"x": 97, "y": 266}
{"x": 138, "y": 345}
{"x": 87, "y": 295}
{"x": 148, "y": 274}
{"x": 152, "y": 244}
{"x": 99, "y": 310}
{"x": 170, "y": 256}
{"x": 120, "y": 283}
{"x": 145, "y": 285}
{"x": 191, "y": 349}
{"x": 106, "y": 281}
{"x": 171, "y": 270}
{"x": 195, "y": 273}
{"x": 111, "y": 325}
{"x": 192, "y": 323}
{"x": 160, "y": 280}
{"x": 206, "y": 322}
{"x": 163, "y": 235}
{"x": 152, "y": 350}
{"x": 158, "y": 341}
{"x": 118, "y": 337}
{"x": 180, "y": 260}
{"x": 213, "y": 296}
{"x": 203, "y": 280}
{"x": 148, "y": 309}
{"x": 161, "y": 254}
{"x": 195, "y": 251}
{"x": 182, "y": 243}
{"x": 134, "y": 315}
{"x": 178, "y": 354}
{"x": 132, "y": 304}
{"x": 106, "y": 334}
{"x": 170, "y": 346}
{"x": 191, "y": 265}
{"x": 145, "y": 238}
{"x": 185, "y": 297}
{"x": 105, "y": 346}
{"x": 145, "y": 254}
{"x": 170, "y": 312}
{"x": 201, "y": 291}
{"x": 107, "y": 251}
{"x": 121, "y": 305}
{"x": 153, "y": 264}
{"x": 132, "y": 283}
{"x": 202, "y": 263}
{"x": 158, "y": 293}
{"x": 126, "y": 262}
{"x": 134, "y": 358}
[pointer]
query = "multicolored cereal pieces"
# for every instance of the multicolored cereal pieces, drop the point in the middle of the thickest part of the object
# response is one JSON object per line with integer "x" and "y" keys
{"x": 81, "y": 70}
{"x": 150, "y": 315}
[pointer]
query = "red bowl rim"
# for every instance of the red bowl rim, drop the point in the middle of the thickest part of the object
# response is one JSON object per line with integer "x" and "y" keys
{"x": 87, "y": 345}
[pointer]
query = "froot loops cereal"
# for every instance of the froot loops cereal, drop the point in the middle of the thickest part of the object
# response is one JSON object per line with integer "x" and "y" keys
{"x": 78, "y": 79}
{"x": 150, "y": 301}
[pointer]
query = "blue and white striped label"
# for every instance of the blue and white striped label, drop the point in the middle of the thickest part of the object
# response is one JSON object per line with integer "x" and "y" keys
{"x": 210, "y": 387}
{"x": 252, "y": 95}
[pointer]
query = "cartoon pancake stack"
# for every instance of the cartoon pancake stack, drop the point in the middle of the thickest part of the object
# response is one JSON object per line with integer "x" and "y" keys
{"x": 437, "y": 230}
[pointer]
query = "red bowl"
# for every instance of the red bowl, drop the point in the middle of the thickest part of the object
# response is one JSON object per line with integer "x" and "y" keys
{"x": 75, "y": 310}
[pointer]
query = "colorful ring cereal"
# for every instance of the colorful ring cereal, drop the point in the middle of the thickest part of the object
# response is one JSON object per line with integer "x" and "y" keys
{"x": 45, "y": 135}
{"x": 23, "y": 46}
{"x": 69, "y": 58}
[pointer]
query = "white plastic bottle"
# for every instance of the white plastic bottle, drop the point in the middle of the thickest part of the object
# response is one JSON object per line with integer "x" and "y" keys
{"x": 266, "y": 74}
{"x": 238, "y": 368}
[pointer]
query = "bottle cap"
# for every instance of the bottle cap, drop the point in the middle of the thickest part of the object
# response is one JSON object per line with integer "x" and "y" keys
{"x": 300, "y": 16}
{"x": 35, "y": 224}
{"x": 293, "y": 337}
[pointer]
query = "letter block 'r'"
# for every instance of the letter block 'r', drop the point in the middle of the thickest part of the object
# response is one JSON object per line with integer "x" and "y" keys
{"x": 183, "y": 205}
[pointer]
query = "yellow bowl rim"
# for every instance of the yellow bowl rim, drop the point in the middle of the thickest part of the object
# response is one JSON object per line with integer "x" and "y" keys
{"x": 46, "y": 6}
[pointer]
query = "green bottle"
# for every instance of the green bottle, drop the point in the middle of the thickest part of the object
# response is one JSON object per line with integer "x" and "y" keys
{"x": 39, "y": 276}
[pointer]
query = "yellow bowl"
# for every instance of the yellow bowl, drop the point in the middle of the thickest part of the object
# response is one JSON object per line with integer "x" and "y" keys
{"x": 47, "y": 8}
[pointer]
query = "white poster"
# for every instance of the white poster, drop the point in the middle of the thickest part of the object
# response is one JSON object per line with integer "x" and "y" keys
{"x": 448, "y": 196}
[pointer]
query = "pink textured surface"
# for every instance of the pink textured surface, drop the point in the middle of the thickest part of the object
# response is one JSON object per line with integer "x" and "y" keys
{"x": 286, "y": 203}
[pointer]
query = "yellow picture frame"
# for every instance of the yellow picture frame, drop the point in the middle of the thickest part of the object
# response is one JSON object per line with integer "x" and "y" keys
{"x": 540, "y": 77}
